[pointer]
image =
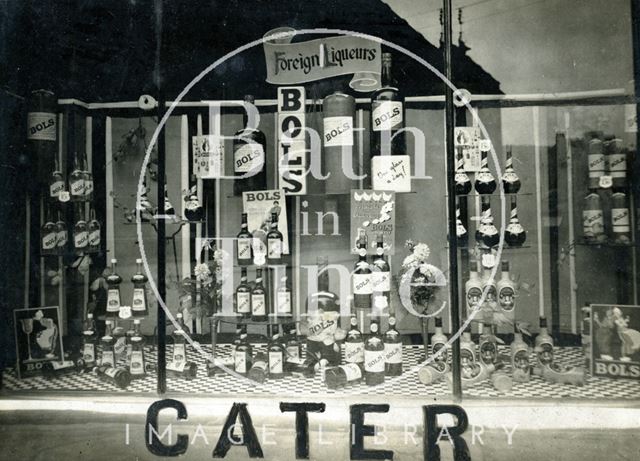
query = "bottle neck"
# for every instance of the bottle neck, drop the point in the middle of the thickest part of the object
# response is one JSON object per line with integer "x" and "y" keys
{"x": 386, "y": 74}
{"x": 484, "y": 161}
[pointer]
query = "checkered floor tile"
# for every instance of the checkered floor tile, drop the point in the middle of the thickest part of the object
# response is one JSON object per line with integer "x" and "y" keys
{"x": 406, "y": 385}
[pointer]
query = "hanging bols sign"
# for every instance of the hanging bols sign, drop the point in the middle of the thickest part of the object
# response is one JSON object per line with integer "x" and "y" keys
{"x": 292, "y": 154}
{"x": 42, "y": 131}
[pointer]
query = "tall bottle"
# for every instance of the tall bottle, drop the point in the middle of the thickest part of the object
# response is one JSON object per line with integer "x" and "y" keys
{"x": 520, "y": 359}
{"x": 137, "y": 367}
{"x": 362, "y": 281}
{"x": 461, "y": 232}
{"x": 108, "y": 342}
{"x": 283, "y": 299}
{"x": 274, "y": 242}
{"x": 381, "y": 276}
{"x": 544, "y": 344}
{"x": 617, "y": 164}
{"x": 242, "y": 356}
{"x": 510, "y": 180}
{"x": 392, "y": 350}
{"x": 48, "y": 235}
{"x": 276, "y": 355}
{"x": 293, "y": 345}
{"x": 487, "y": 233}
{"x": 620, "y": 221}
{"x": 374, "y": 359}
{"x": 439, "y": 341}
{"x": 387, "y": 114}
{"x": 506, "y": 291}
{"x": 488, "y": 346}
{"x": 468, "y": 356}
{"x": 139, "y": 305}
{"x": 597, "y": 160}
{"x": 354, "y": 343}
{"x": 514, "y": 234}
{"x": 338, "y": 110}
{"x": 463, "y": 183}
{"x": 62, "y": 235}
{"x": 244, "y": 248}
{"x": 249, "y": 155}
{"x": 258, "y": 299}
{"x": 113, "y": 290}
{"x": 76, "y": 181}
{"x": 593, "y": 218}
{"x": 473, "y": 287}
{"x": 243, "y": 295}
{"x": 42, "y": 130}
{"x": 93, "y": 230}
{"x": 80, "y": 230}
{"x": 179, "y": 340}
{"x": 485, "y": 182}
{"x": 89, "y": 341}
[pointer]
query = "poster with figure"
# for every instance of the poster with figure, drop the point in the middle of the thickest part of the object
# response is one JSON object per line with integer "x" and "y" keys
{"x": 259, "y": 206}
{"x": 38, "y": 339}
{"x": 372, "y": 213}
{"x": 615, "y": 334}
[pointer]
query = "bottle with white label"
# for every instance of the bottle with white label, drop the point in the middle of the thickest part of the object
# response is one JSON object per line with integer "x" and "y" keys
{"x": 259, "y": 368}
{"x": 439, "y": 341}
{"x": 88, "y": 178}
{"x": 617, "y": 163}
{"x": 485, "y": 182}
{"x": 473, "y": 287}
{"x": 544, "y": 345}
{"x": 80, "y": 230}
{"x": 94, "y": 230}
{"x": 354, "y": 343}
{"x": 243, "y": 353}
{"x": 62, "y": 235}
{"x": 48, "y": 236}
{"x": 510, "y": 180}
{"x": 276, "y": 355}
{"x": 244, "y": 248}
{"x": 488, "y": 346}
{"x": 387, "y": 114}
{"x": 89, "y": 341}
{"x": 179, "y": 341}
{"x": 249, "y": 154}
{"x": 117, "y": 376}
{"x": 193, "y": 210}
{"x": 489, "y": 289}
{"x": 506, "y": 289}
{"x": 184, "y": 370}
{"x": 597, "y": 160}
{"x": 113, "y": 290}
{"x": 381, "y": 276}
{"x": 362, "y": 281}
{"x": 137, "y": 367}
{"x": 487, "y": 234}
{"x": 339, "y": 158}
{"x": 520, "y": 359}
{"x": 56, "y": 183}
{"x": 274, "y": 242}
{"x": 620, "y": 218}
{"x": 76, "y": 181}
{"x": 392, "y": 350}
{"x": 243, "y": 296}
{"x": 283, "y": 299}
{"x": 293, "y": 343}
{"x": 593, "y": 218}
{"x": 374, "y": 357}
{"x": 258, "y": 299}
{"x": 468, "y": 356}
{"x": 108, "y": 342}
{"x": 514, "y": 234}
{"x": 343, "y": 375}
{"x": 463, "y": 183}
{"x": 139, "y": 305}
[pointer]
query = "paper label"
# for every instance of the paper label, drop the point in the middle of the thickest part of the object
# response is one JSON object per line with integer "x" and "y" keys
{"x": 391, "y": 173}
{"x": 179, "y": 353}
{"x": 620, "y": 220}
{"x": 393, "y": 352}
{"x": 618, "y": 165}
{"x": 276, "y": 362}
{"x": 354, "y": 352}
{"x": 338, "y": 131}
{"x": 108, "y": 358}
{"x": 387, "y": 115}
{"x": 596, "y": 165}
{"x": 55, "y": 188}
{"x": 374, "y": 361}
{"x": 248, "y": 157}
{"x": 137, "y": 362}
{"x": 352, "y": 371}
{"x": 41, "y": 126}
{"x": 138, "y": 303}
{"x": 94, "y": 238}
{"x": 274, "y": 248}
{"x": 244, "y": 248}
{"x": 258, "y": 306}
{"x": 89, "y": 353}
{"x": 77, "y": 187}
{"x": 240, "y": 362}
{"x": 362, "y": 284}
{"x": 176, "y": 365}
{"x": 113, "y": 300}
{"x": 49, "y": 241}
{"x": 283, "y": 306}
{"x": 605, "y": 181}
{"x": 381, "y": 281}
{"x": 81, "y": 239}
{"x": 592, "y": 221}
{"x": 467, "y": 141}
{"x": 243, "y": 302}
{"x": 111, "y": 372}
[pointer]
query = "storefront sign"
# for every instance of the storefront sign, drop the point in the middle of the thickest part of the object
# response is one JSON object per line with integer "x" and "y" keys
{"x": 373, "y": 213}
{"x": 391, "y": 172}
{"x": 292, "y": 63}
{"x": 615, "y": 334}
{"x": 292, "y": 156}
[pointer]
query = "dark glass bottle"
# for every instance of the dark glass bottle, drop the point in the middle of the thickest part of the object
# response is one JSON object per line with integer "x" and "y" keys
{"x": 56, "y": 183}
{"x": 94, "y": 230}
{"x": 510, "y": 180}
{"x": 393, "y": 350}
{"x": 249, "y": 157}
{"x": 293, "y": 345}
{"x": 514, "y": 234}
{"x": 48, "y": 236}
{"x": 139, "y": 305}
{"x": 354, "y": 344}
{"x": 258, "y": 299}
{"x": 185, "y": 370}
{"x": 276, "y": 355}
{"x": 80, "y": 230}
{"x": 76, "y": 181}
{"x": 137, "y": 367}
{"x": 179, "y": 341}
{"x": 169, "y": 210}
{"x": 244, "y": 249}
{"x": 243, "y": 296}
{"x": 108, "y": 342}
{"x": 274, "y": 242}
{"x": 242, "y": 356}
{"x": 485, "y": 182}
{"x": 283, "y": 299}
{"x": 113, "y": 290}
{"x": 56, "y": 368}
{"x": 461, "y": 232}
{"x": 381, "y": 276}
{"x": 387, "y": 114}
{"x": 89, "y": 340}
{"x": 487, "y": 233}
{"x": 343, "y": 375}
{"x": 62, "y": 235}
{"x": 463, "y": 183}
{"x": 374, "y": 357}
{"x": 114, "y": 375}
{"x": 362, "y": 283}
{"x": 88, "y": 178}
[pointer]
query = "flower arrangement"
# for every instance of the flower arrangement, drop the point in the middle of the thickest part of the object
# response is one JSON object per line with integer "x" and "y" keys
{"x": 419, "y": 280}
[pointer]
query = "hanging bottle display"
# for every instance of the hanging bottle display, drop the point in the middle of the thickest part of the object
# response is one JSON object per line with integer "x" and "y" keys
{"x": 620, "y": 218}
{"x": 42, "y": 132}
{"x": 249, "y": 156}
{"x": 62, "y": 235}
{"x": 597, "y": 161}
{"x": 510, "y": 180}
{"x": 487, "y": 234}
{"x": 80, "y": 230}
{"x": 338, "y": 142}
{"x": 139, "y": 305}
{"x": 94, "y": 230}
{"x": 593, "y": 218}
{"x": 514, "y": 234}
{"x": 48, "y": 237}
{"x": 485, "y": 182}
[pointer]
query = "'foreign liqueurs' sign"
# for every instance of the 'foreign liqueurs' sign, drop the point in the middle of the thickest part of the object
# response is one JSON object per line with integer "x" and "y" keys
{"x": 289, "y": 63}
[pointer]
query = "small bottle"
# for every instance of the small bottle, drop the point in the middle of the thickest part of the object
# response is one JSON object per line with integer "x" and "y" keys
{"x": 137, "y": 367}
{"x": 514, "y": 234}
{"x": 56, "y": 183}
{"x": 113, "y": 290}
{"x": 520, "y": 359}
{"x": 381, "y": 276}
{"x": 94, "y": 229}
{"x": 362, "y": 283}
{"x": 276, "y": 355}
{"x": 108, "y": 342}
{"x": 487, "y": 233}
{"x": 506, "y": 291}
{"x": 597, "y": 161}
{"x": 490, "y": 290}
{"x": 243, "y": 296}
{"x": 62, "y": 235}
{"x": 80, "y": 230}
{"x": 473, "y": 288}
{"x": 89, "y": 342}
{"x": 617, "y": 164}
{"x": 244, "y": 248}
{"x": 283, "y": 299}
{"x": 544, "y": 345}
{"x": 139, "y": 305}
{"x": 179, "y": 340}
{"x": 354, "y": 343}
{"x": 593, "y": 218}
{"x": 461, "y": 232}
{"x": 76, "y": 181}
{"x": 243, "y": 353}
{"x": 387, "y": 114}
{"x": 510, "y": 180}
{"x": 463, "y": 183}
{"x": 439, "y": 341}
{"x": 114, "y": 375}
{"x": 274, "y": 242}
{"x": 186, "y": 370}
{"x": 88, "y": 179}
{"x": 258, "y": 370}
{"x": 293, "y": 345}
{"x": 620, "y": 221}
{"x": 374, "y": 357}
{"x": 485, "y": 182}
{"x": 488, "y": 346}
{"x": 48, "y": 236}
{"x": 343, "y": 375}
{"x": 258, "y": 300}
{"x": 392, "y": 350}
{"x": 468, "y": 356}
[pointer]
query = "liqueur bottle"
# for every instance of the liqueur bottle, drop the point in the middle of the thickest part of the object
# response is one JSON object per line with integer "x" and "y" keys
{"x": 463, "y": 183}
{"x": 343, "y": 375}
{"x": 243, "y": 295}
{"x": 48, "y": 235}
{"x": 304, "y": 368}
{"x": 488, "y": 346}
{"x": 473, "y": 287}
{"x": 42, "y": 130}
{"x": 169, "y": 210}
{"x": 487, "y": 233}
{"x": 387, "y": 114}
{"x": 88, "y": 179}
{"x": 76, "y": 181}
{"x": 113, "y": 290}
{"x": 461, "y": 232}
{"x": 274, "y": 242}
{"x": 193, "y": 210}
{"x": 57, "y": 368}
{"x": 283, "y": 299}
{"x": 244, "y": 249}
{"x": 490, "y": 290}
{"x": 620, "y": 222}
{"x": 439, "y": 341}
{"x": 108, "y": 342}
{"x": 506, "y": 291}
{"x": 520, "y": 359}
{"x": 393, "y": 350}
{"x": 276, "y": 355}
{"x": 468, "y": 356}
{"x": 62, "y": 235}
{"x": 258, "y": 371}
{"x": 617, "y": 164}
{"x": 593, "y": 218}
{"x": 179, "y": 341}
{"x": 243, "y": 353}
{"x": 293, "y": 344}
{"x": 114, "y": 375}
{"x": 362, "y": 281}
{"x": 374, "y": 357}
{"x": 185, "y": 370}
{"x": 510, "y": 180}
{"x": 514, "y": 234}
{"x": 339, "y": 156}
{"x": 80, "y": 230}
{"x": 137, "y": 362}
{"x": 249, "y": 156}
{"x": 485, "y": 182}
{"x": 381, "y": 276}
{"x": 89, "y": 340}
{"x": 139, "y": 305}
{"x": 258, "y": 299}
{"x": 56, "y": 183}
{"x": 94, "y": 229}
{"x": 354, "y": 344}
{"x": 544, "y": 345}
{"x": 597, "y": 160}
